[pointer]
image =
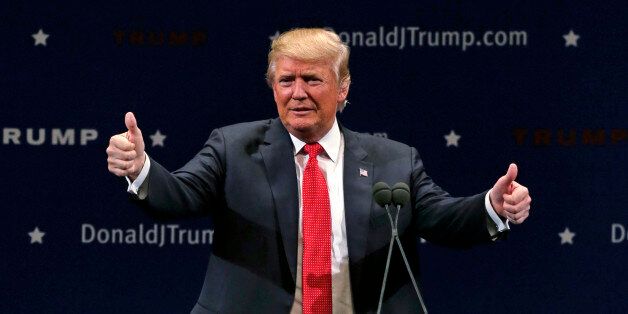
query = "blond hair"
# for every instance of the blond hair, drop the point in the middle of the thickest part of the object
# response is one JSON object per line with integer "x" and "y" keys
{"x": 311, "y": 45}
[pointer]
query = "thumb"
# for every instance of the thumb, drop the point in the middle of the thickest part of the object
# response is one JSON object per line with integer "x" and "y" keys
{"x": 503, "y": 184}
{"x": 131, "y": 125}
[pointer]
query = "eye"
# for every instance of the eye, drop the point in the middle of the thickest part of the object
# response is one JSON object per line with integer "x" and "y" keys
{"x": 313, "y": 81}
{"x": 285, "y": 82}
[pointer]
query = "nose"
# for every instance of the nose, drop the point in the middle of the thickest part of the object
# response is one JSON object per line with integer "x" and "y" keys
{"x": 299, "y": 93}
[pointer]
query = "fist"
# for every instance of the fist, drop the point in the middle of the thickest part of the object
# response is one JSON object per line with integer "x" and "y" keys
{"x": 125, "y": 153}
{"x": 510, "y": 199}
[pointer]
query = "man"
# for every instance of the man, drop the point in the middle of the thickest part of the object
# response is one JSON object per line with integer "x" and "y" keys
{"x": 296, "y": 229}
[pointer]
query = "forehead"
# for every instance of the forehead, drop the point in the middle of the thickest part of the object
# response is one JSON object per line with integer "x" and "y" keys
{"x": 285, "y": 65}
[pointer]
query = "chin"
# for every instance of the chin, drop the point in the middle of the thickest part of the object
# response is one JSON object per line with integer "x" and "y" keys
{"x": 303, "y": 129}
{"x": 301, "y": 125}
{"x": 303, "y": 132}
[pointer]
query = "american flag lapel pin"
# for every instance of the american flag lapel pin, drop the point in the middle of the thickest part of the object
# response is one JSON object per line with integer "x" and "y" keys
{"x": 363, "y": 173}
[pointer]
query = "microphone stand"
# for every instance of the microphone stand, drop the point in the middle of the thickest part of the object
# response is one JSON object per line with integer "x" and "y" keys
{"x": 395, "y": 238}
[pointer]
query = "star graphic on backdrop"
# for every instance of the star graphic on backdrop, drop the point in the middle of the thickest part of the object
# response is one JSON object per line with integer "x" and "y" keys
{"x": 571, "y": 39}
{"x": 36, "y": 236}
{"x": 452, "y": 138}
{"x": 274, "y": 36}
{"x": 40, "y": 37}
{"x": 566, "y": 236}
{"x": 158, "y": 139}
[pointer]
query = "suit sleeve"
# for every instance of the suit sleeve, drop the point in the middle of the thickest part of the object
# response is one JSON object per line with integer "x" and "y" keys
{"x": 191, "y": 190}
{"x": 441, "y": 218}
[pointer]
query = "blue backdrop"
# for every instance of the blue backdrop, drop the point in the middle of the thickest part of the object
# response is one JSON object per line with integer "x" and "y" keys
{"x": 542, "y": 84}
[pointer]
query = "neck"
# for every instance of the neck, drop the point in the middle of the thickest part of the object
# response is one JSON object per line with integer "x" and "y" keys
{"x": 309, "y": 137}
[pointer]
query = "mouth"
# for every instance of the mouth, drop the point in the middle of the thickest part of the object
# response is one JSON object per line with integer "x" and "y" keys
{"x": 301, "y": 110}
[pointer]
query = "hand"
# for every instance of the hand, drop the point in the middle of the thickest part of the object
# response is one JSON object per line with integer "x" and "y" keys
{"x": 125, "y": 154}
{"x": 510, "y": 199}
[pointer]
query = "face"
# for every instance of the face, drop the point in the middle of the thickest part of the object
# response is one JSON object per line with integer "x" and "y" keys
{"x": 307, "y": 95}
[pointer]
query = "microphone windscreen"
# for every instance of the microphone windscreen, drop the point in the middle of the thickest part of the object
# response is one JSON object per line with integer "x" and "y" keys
{"x": 400, "y": 194}
{"x": 381, "y": 193}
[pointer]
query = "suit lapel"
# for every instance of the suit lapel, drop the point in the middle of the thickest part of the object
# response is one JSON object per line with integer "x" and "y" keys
{"x": 278, "y": 156}
{"x": 357, "y": 194}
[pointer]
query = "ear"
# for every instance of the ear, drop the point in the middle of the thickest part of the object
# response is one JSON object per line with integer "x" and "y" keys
{"x": 274, "y": 91}
{"x": 343, "y": 91}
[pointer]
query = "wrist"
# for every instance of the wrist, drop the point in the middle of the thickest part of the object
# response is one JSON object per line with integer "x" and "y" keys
{"x": 138, "y": 169}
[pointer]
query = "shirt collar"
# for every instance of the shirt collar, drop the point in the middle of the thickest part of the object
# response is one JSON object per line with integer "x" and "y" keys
{"x": 330, "y": 142}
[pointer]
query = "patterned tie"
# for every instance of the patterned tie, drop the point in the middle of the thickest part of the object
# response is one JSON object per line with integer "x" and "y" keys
{"x": 316, "y": 270}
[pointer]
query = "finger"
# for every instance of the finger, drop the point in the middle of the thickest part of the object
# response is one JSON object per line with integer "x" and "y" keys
{"x": 504, "y": 182}
{"x": 519, "y": 194}
{"x": 130, "y": 121}
{"x": 511, "y": 174}
{"x": 119, "y": 164}
{"x": 511, "y": 217}
{"x": 131, "y": 125}
{"x": 118, "y": 172}
{"x": 522, "y": 218}
{"x": 516, "y": 208}
{"x": 522, "y": 214}
{"x": 509, "y": 199}
{"x": 117, "y": 153}
{"x": 510, "y": 209}
{"x": 121, "y": 142}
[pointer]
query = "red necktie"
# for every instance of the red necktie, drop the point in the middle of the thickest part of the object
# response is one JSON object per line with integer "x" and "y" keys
{"x": 316, "y": 270}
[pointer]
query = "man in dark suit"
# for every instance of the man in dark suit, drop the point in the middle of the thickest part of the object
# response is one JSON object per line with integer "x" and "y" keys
{"x": 296, "y": 228}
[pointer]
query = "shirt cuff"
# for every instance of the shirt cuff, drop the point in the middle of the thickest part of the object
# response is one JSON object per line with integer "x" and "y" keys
{"x": 134, "y": 186}
{"x": 499, "y": 223}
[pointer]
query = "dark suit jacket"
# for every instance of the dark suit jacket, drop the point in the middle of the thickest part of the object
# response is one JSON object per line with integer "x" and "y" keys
{"x": 245, "y": 178}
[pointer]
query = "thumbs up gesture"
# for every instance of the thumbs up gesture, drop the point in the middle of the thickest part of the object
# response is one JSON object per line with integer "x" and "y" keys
{"x": 125, "y": 153}
{"x": 510, "y": 199}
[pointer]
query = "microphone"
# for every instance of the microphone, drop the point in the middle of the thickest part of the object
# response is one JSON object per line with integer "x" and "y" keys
{"x": 382, "y": 194}
{"x": 383, "y": 197}
{"x": 399, "y": 195}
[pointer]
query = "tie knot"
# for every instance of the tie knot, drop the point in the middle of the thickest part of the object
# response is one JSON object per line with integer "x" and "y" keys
{"x": 313, "y": 149}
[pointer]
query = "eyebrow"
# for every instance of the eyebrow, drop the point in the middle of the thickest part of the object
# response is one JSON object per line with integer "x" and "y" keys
{"x": 309, "y": 76}
{"x": 304, "y": 75}
{"x": 286, "y": 76}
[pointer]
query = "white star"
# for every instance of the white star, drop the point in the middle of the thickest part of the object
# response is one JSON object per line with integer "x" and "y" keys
{"x": 566, "y": 236}
{"x": 40, "y": 37}
{"x": 571, "y": 39}
{"x": 36, "y": 236}
{"x": 274, "y": 36}
{"x": 452, "y": 138}
{"x": 158, "y": 139}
